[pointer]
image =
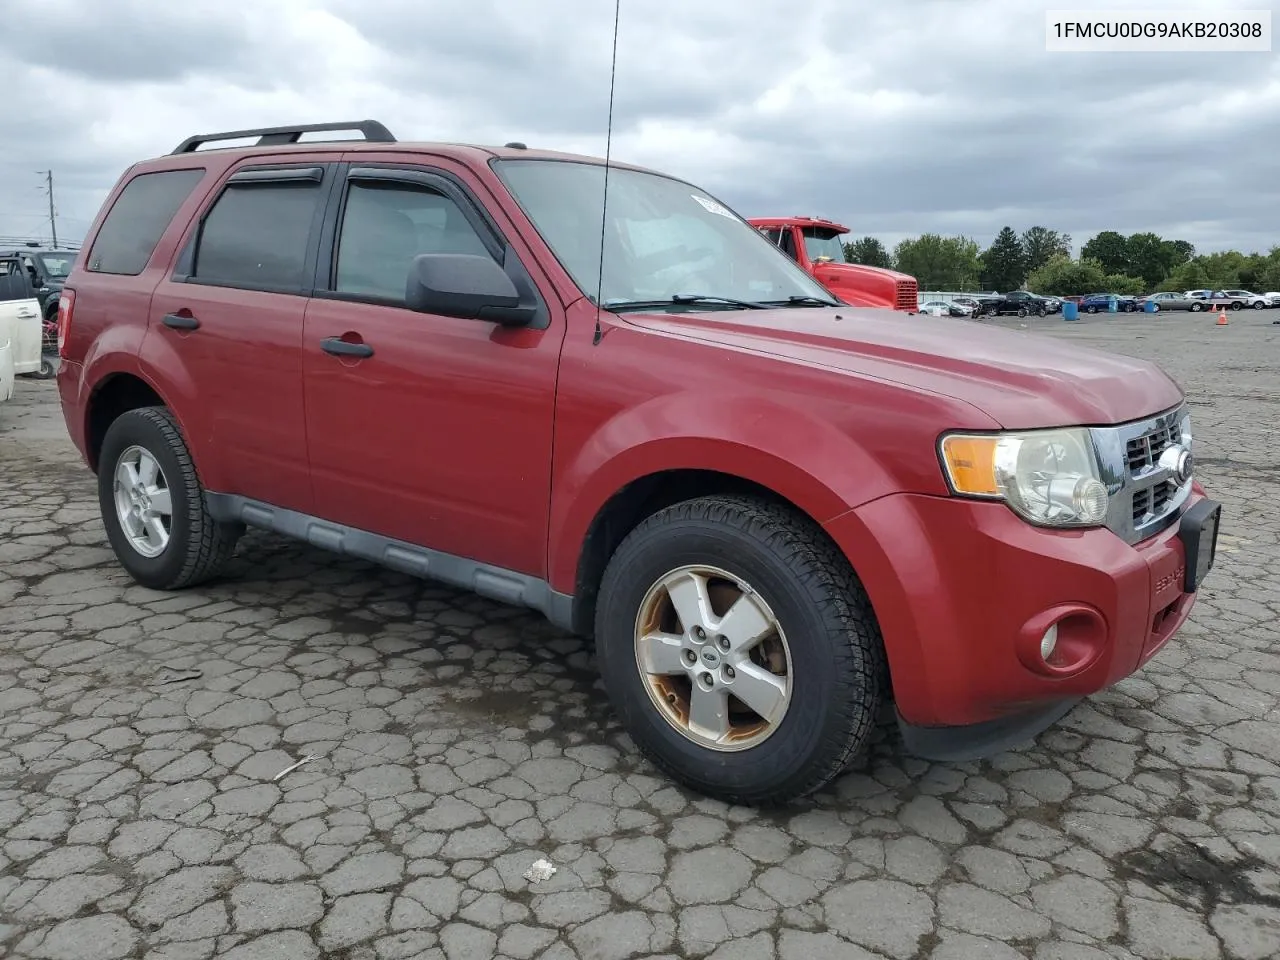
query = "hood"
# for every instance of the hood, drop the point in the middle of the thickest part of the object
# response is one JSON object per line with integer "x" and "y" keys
{"x": 861, "y": 285}
{"x": 1021, "y": 380}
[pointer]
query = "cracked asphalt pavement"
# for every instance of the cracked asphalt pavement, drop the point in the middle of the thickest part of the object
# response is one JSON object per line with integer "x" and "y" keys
{"x": 456, "y": 741}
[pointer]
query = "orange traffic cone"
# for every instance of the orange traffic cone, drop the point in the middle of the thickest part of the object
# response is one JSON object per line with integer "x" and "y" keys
{"x": 1222, "y": 317}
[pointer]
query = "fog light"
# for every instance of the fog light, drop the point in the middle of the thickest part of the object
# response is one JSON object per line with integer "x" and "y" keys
{"x": 1049, "y": 643}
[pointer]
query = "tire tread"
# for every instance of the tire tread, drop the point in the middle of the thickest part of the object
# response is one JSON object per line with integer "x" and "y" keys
{"x": 210, "y": 543}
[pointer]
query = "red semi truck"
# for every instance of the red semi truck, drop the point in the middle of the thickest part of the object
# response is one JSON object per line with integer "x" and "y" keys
{"x": 815, "y": 244}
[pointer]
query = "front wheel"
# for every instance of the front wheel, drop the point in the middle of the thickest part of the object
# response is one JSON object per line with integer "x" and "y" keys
{"x": 47, "y": 370}
{"x": 1196, "y": 308}
{"x": 1258, "y": 305}
{"x": 1091, "y": 309}
{"x": 739, "y": 650}
{"x": 153, "y": 504}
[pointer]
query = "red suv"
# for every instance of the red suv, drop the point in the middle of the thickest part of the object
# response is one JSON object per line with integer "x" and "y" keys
{"x": 772, "y": 512}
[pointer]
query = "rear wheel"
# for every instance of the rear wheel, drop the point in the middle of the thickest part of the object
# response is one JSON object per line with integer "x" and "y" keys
{"x": 739, "y": 650}
{"x": 1196, "y": 307}
{"x": 153, "y": 504}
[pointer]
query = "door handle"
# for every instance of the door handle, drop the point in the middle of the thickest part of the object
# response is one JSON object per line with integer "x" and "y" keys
{"x": 345, "y": 348}
{"x": 178, "y": 322}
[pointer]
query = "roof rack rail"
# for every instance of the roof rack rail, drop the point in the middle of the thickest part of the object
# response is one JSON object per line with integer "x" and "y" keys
{"x": 374, "y": 132}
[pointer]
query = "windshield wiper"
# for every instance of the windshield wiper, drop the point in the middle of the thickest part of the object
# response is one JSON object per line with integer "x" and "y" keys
{"x": 681, "y": 299}
{"x": 804, "y": 301}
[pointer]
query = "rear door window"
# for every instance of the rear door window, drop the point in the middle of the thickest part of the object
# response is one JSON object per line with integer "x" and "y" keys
{"x": 138, "y": 219}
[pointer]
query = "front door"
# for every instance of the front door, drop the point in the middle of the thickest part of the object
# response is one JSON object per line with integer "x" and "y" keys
{"x": 230, "y": 319}
{"x": 426, "y": 428}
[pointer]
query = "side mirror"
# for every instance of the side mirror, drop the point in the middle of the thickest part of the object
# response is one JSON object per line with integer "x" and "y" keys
{"x": 466, "y": 286}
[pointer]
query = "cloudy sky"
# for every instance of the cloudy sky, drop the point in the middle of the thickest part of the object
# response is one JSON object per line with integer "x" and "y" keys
{"x": 895, "y": 116}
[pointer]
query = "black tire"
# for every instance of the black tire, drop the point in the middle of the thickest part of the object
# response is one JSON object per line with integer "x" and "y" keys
{"x": 1022, "y": 311}
{"x": 198, "y": 546}
{"x": 1042, "y": 312}
{"x": 1155, "y": 308}
{"x": 47, "y": 371}
{"x": 1091, "y": 309}
{"x": 1196, "y": 308}
{"x": 1258, "y": 305}
{"x": 1237, "y": 305}
{"x": 838, "y": 667}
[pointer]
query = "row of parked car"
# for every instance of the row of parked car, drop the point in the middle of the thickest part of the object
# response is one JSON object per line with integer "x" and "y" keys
{"x": 1023, "y": 303}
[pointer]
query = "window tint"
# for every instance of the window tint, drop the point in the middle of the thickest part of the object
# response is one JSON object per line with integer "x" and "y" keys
{"x": 385, "y": 225}
{"x": 256, "y": 235}
{"x": 138, "y": 219}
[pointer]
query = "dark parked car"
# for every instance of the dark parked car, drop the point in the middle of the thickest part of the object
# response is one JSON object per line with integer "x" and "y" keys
{"x": 1019, "y": 302}
{"x": 1101, "y": 303}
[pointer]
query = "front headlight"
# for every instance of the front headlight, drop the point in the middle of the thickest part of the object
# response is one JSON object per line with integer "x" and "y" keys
{"x": 1047, "y": 477}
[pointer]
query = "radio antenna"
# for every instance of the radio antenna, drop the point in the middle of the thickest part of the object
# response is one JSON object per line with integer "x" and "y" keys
{"x": 608, "y": 153}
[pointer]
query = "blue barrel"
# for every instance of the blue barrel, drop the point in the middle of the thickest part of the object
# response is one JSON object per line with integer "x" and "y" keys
{"x": 1111, "y": 304}
{"x": 1070, "y": 310}
{"x": 1149, "y": 306}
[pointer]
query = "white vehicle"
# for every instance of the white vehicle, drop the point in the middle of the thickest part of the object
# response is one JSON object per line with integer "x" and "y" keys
{"x": 20, "y": 329}
{"x": 1273, "y": 297}
{"x": 1258, "y": 301}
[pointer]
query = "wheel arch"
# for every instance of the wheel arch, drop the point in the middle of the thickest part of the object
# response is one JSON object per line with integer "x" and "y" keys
{"x": 116, "y": 394}
{"x": 644, "y": 496}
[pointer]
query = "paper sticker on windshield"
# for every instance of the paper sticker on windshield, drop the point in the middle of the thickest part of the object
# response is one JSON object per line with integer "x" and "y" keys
{"x": 712, "y": 207}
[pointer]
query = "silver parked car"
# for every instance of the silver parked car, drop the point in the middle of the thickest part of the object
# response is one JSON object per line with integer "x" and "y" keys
{"x": 1172, "y": 301}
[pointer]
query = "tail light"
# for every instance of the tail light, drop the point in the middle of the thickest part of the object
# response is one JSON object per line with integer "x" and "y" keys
{"x": 65, "y": 303}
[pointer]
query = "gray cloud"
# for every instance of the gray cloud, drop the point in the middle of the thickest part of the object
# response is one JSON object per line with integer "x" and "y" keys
{"x": 893, "y": 118}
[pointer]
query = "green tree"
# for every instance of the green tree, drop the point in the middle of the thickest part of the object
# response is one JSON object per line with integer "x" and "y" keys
{"x": 1110, "y": 249}
{"x": 1191, "y": 275}
{"x": 939, "y": 263}
{"x": 1122, "y": 283}
{"x": 1147, "y": 257}
{"x": 868, "y": 251}
{"x": 1004, "y": 263}
{"x": 1064, "y": 277}
{"x": 1040, "y": 245}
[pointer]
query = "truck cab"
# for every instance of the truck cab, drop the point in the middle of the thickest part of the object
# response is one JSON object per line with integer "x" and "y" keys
{"x": 816, "y": 246}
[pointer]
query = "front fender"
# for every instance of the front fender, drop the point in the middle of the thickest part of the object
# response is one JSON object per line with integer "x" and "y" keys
{"x": 798, "y": 456}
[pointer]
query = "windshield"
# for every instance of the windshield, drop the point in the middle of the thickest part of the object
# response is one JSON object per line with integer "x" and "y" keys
{"x": 663, "y": 237}
{"x": 823, "y": 243}
{"x": 57, "y": 265}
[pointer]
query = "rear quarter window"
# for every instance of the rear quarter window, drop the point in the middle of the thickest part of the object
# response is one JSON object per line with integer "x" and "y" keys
{"x": 138, "y": 219}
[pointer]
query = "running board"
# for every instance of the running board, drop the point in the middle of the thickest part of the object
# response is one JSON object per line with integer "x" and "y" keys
{"x": 496, "y": 583}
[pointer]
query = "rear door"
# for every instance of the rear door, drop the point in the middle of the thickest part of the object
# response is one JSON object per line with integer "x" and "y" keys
{"x": 19, "y": 318}
{"x": 230, "y": 319}
{"x": 440, "y": 433}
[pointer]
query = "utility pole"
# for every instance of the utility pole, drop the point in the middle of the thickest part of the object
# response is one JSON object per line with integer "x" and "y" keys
{"x": 53, "y": 225}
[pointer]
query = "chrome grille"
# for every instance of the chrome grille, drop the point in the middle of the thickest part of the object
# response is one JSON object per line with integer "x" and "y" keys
{"x": 1144, "y": 497}
{"x": 1144, "y": 451}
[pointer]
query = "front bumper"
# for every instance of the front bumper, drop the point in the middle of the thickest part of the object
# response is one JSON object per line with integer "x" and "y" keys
{"x": 965, "y": 590}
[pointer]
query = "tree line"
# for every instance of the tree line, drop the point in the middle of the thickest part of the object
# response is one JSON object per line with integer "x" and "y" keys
{"x": 1041, "y": 260}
